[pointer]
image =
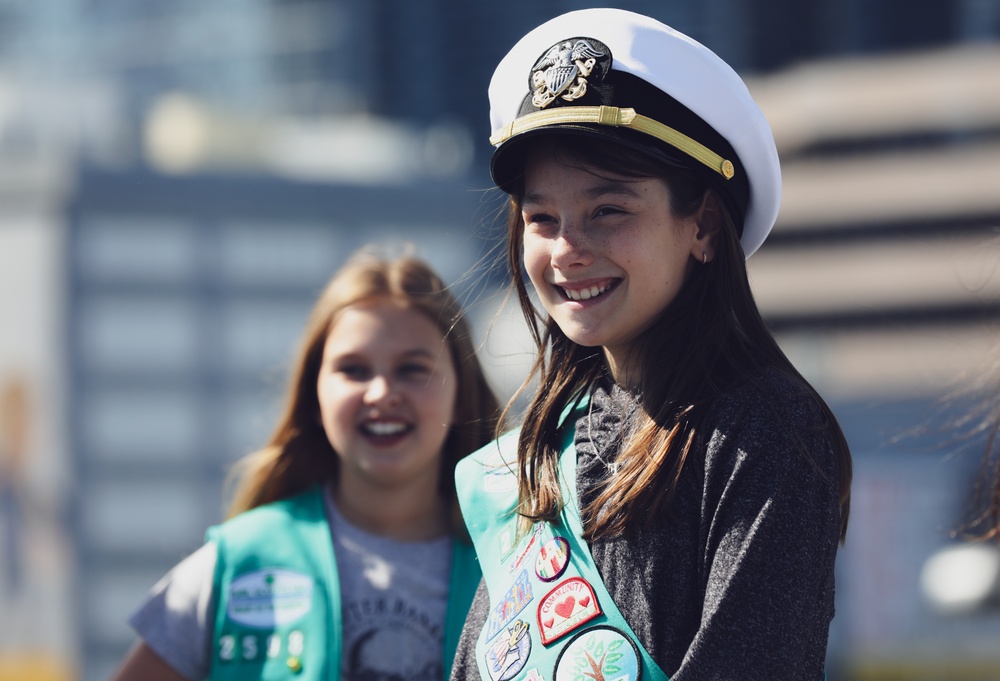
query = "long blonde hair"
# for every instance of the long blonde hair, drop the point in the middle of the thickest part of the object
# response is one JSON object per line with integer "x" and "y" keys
{"x": 298, "y": 453}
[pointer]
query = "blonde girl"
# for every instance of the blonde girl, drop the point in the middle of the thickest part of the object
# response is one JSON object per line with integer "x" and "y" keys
{"x": 343, "y": 556}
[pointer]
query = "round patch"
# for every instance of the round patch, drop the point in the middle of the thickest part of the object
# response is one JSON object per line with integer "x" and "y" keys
{"x": 507, "y": 656}
{"x": 602, "y": 651}
{"x": 552, "y": 559}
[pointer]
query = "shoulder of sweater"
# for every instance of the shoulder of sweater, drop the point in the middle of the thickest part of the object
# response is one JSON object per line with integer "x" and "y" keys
{"x": 769, "y": 397}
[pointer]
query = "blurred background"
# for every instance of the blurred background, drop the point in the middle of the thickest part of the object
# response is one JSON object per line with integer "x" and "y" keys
{"x": 179, "y": 179}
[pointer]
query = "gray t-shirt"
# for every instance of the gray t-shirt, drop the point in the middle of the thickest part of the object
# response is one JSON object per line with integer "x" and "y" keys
{"x": 393, "y": 598}
{"x": 736, "y": 579}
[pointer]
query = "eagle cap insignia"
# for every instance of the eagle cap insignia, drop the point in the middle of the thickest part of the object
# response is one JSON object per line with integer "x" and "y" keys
{"x": 564, "y": 68}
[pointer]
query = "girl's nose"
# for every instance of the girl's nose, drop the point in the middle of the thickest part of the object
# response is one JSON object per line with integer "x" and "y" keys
{"x": 380, "y": 389}
{"x": 572, "y": 247}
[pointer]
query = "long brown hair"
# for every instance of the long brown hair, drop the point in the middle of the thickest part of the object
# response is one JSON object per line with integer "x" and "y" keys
{"x": 710, "y": 337}
{"x": 298, "y": 454}
{"x": 982, "y": 419}
{"x": 987, "y": 522}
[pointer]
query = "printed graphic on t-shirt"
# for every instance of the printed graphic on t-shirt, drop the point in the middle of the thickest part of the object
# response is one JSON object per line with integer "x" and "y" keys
{"x": 390, "y": 640}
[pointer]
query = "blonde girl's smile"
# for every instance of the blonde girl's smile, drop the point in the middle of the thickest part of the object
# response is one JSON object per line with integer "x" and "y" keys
{"x": 381, "y": 430}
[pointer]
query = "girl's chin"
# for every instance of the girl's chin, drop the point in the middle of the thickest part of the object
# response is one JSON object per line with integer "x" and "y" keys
{"x": 584, "y": 339}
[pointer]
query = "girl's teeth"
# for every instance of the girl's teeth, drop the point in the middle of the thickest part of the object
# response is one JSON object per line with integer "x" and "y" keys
{"x": 385, "y": 428}
{"x": 585, "y": 293}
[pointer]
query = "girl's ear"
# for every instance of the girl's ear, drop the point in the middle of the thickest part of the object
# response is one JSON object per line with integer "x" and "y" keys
{"x": 708, "y": 217}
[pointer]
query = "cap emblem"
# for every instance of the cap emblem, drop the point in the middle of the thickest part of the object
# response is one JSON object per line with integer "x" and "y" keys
{"x": 563, "y": 70}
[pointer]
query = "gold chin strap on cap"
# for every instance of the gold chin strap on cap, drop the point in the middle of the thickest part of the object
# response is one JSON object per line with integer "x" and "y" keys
{"x": 619, "y": 118}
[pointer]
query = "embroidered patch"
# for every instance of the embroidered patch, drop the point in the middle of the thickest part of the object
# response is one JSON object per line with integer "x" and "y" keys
{"x": 552, "y": 559}
{"x": 523, "y": 554}
{"x": 506, "y": 541}
{"x": 510, "y": 605}
{"x": 270, "y": 597}
{"x": 601, "y": 652}
{"x": 564, "y": 68}
{"x": 500, "y": 471}
{"x": 566, "y": 607}
{"x": 509, "y": 654}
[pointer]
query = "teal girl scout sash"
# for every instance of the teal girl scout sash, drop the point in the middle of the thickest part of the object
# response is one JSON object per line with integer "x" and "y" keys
{"x": 551, "y": 617}
{"x": 279, "y": 613}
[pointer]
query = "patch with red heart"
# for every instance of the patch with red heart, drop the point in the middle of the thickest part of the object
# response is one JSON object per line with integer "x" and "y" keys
{"x": 570, "y": 604}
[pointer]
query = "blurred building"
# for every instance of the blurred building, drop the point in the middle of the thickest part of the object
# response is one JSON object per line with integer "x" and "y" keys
{"x": 882, "y": 280}
{"x": 187, "y": 175}
{"x": 97, "y": 75}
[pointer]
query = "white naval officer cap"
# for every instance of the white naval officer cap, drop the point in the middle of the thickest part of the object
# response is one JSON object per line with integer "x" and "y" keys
{"x": 611, "y": 73}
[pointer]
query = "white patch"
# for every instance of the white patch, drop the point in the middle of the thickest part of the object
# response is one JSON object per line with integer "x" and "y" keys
{"x": 500, "y": 471}
{"x": 270, "y": 597}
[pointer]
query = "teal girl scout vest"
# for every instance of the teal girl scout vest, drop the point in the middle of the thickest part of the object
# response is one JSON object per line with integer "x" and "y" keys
{"x": 551, "y": 617}
{"x": 278, "y": 615}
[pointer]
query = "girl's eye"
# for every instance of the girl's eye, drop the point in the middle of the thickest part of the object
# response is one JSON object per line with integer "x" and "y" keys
{"x": 355, "y": 372}
{"x": 537, "y": 218}
{"x": 413, "y": 370}
{"x": 604, "y": 211}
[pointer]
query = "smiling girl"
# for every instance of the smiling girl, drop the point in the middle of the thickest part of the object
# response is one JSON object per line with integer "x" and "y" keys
{"x": 341, "y": 559}
{"x": 672, "y": 504}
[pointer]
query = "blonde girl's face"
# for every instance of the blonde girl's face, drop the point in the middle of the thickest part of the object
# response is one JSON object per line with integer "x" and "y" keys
{"x": 387, "y": 390}
{"x": 604, "y": 253}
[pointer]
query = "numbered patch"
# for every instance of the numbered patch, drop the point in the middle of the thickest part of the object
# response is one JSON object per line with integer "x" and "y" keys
{"x": 599, "y": 652}
{"x": 253, "y": 647}
{"x": 227, "y": 648}
{"x": 296, "y": 643}
{"x": 273, "y": 645}
{"x": 249, "y": 648}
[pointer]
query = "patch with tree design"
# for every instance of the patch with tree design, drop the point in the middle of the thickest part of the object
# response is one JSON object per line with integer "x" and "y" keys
{"x": 600, "y": 653}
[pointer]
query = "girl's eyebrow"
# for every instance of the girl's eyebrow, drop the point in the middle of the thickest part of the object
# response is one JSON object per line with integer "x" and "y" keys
{"x": 419, "y": 352}
{"x": 410, "y": 352}
{"x": 609, "y": 188}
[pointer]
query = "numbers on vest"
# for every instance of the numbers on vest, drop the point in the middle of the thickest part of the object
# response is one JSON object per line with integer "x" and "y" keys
{"x": 249, "y": 646}
{"x": 296, "y": 643}
{"x": 227, "y": 647}
{"x": 273, "y": 645}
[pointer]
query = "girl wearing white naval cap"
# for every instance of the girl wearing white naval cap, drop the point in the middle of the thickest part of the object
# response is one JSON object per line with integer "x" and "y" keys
{"x": 672, "y": 504}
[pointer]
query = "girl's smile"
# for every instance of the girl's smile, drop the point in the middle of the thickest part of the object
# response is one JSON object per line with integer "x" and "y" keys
{"x": 605, "y": 253}
{"x": 583, "y": 291}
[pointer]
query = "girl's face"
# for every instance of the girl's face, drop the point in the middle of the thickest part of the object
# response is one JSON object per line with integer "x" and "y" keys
{"x": 386, "y": 390}
{"x": 605, "y": 253}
